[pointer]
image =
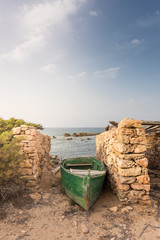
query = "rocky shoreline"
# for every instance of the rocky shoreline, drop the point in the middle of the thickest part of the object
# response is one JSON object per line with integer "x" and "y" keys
{"x": 69, "y": 136}
{"x": 81, "y": 134}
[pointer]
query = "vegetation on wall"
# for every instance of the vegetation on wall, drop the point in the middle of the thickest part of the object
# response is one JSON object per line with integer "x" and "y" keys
{"x": 7, "y": 125}
{"x": 10, "y": 156}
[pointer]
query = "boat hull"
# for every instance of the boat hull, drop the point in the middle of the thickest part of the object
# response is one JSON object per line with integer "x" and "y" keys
{"x": 84, "y": 190}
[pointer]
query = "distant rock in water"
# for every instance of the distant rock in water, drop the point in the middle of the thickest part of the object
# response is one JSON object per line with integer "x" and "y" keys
{"x": 69, "y": 138}
{"x": 53, "y": 137}
{"x": 88, "y": 138}
{"x": 67, "y": 135}
{"x": 84, "y": 134}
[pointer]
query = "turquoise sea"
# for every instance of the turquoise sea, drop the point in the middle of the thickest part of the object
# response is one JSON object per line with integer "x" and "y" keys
{"x": 78, "y": 147}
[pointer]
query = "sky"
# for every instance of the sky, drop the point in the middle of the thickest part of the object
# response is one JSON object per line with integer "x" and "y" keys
{"x": 79, "y": 63}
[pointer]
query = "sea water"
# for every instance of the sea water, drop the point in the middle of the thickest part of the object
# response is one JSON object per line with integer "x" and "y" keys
{"x": 78, "y": 147}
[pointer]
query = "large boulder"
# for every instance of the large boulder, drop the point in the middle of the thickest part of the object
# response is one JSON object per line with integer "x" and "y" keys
{"x": 130, "y": 123}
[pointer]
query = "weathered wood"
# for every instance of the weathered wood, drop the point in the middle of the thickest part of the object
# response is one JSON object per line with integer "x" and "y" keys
{"x": 114, "y": 123}
{"x": 143, "y": 123}
{"x": 154, "y": 171}
{"x": 54, "y": 171}
{"x": 151, "y": 127}
{"x": 150, "y": 122}
{"x": 144, "y": 229}
{"x": 78, "y": 164}
{"x": 86, "y": 172}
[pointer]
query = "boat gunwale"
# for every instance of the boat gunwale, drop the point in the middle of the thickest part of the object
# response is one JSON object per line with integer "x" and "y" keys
{"x": 84, "y": 176}
{"x": 85, "y": 200}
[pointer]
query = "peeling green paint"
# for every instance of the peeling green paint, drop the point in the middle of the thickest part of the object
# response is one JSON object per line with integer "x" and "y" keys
{"x": 84, "y": 190}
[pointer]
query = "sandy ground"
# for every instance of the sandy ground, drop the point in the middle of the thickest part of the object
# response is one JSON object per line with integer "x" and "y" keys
{"x": 51, "y": 215}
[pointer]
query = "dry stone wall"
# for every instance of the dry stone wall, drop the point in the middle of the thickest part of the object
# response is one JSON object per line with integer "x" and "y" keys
{"x": 123, "y": 151}
{"x": 36, "y": 147}
{"x": 153, "y": 150}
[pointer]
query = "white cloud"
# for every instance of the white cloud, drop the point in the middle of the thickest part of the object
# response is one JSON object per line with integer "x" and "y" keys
{"x": 49, "y": 68}
{"x": 150, "y": 20}
{"x": 134, "y": 44}
{"x": 77, "y": 76}
{"x": 38, "y": 20}
{"x": 135, "y": 41}
{"x": 108, "y": 73}
{"x": 93, "y": 13}
{"x": 23, "y": 50}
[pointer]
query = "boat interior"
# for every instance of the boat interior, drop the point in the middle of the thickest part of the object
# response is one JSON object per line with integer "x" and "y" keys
{"x": 83, "y": 166}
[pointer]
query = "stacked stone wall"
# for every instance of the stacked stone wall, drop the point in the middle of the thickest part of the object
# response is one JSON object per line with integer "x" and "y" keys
{"x": 123, "y": 151}
{"x": 153, "y": 150}
{"x": 36, "y": 147}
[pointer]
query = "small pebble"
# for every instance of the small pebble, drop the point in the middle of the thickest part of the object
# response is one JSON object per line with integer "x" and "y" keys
{"x": 84, "y": 228}
{"x": 113, "y": 209}
{"x": 129, "y": 208}
{"x": 75, "y": 223}
{"x": 125, "y": 210}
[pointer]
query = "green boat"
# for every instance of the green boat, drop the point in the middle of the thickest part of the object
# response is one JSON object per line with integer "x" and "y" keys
{"x": 82, "y": 180}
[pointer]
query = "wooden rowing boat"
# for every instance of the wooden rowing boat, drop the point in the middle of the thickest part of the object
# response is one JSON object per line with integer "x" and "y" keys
{"x": 82, "y": 180}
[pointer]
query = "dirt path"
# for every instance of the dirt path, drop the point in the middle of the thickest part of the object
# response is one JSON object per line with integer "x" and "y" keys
{"x": 52, "y": 216}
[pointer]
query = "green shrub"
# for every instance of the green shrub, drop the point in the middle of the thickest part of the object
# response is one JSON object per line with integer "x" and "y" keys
{"x": 7, "y": 125}
{"x": 10, "y": 156}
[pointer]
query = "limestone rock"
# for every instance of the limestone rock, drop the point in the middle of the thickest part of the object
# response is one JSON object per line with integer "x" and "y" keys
{"x": 123, "y": 148}
{"x": 129, "y": 172}
{"x": 132, "y": 156}
{"x": 113, "y": 209}
{"x": 127, "y": 180}
{"x": 138, "y": 140}
{"x": 29, "y": 149}
{"x": 35, "y": 196}
{"x": 125, "y": 210}
{"x": 147, "y": 202}
{"x": 16, "y": 131}
{"x": 24, "y": 127}
{"x": 28, "y": 132}
{"x": 138, "y": 186}
{"x": 130, "y": 208}
{"x": 26, "y": 164}
{"x": 140, "y": 132}
{"x": 75, "y": 223}
{"x": 143, "y": 162}
{"x": 32, "y": 144}
{"x": 84, "y": 228}
{"x": 125, "y": 163}
{"x": 123, "y": 139}
{"x": 145, "y": 197}
{"x": 122, "y": 195}
{"x": 135, "y": 195}
{"x": 140, "y": 149}
{"x": 25, "y": 171}
{"x": 127, "y": 132}
{"x": 124, "y": 187}
{"x": 130, "y": 123}
{"x": 33, "y": 132}
{"x": 143, "y": 179}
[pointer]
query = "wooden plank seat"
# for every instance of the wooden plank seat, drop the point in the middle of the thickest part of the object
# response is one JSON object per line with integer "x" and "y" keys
{"x": 86, "y": 172}
{"x": 79, "y": 164}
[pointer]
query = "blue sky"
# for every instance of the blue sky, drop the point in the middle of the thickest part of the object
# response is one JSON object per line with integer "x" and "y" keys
{"x": 76, "y": 63}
